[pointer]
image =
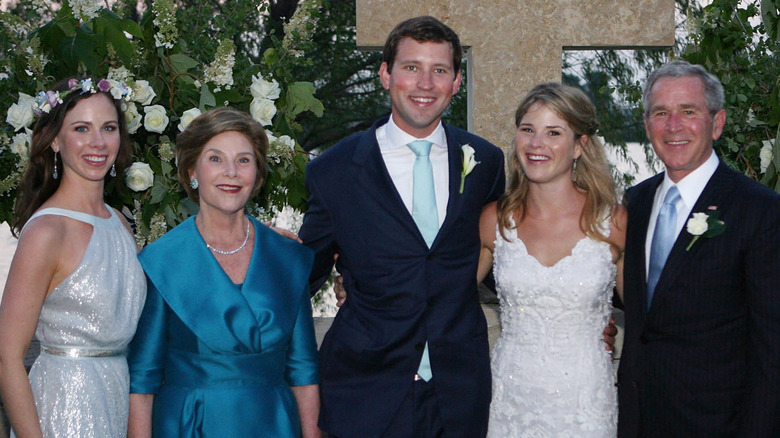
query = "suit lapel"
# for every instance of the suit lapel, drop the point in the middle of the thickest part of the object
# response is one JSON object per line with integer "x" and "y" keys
{"x": 455, "y": 199}
{"x": 716, "y": 193}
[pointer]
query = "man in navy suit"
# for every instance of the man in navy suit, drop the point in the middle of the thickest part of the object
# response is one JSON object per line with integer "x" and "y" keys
{"x": 407, "y": 354}
{"x": 701, "y": 353}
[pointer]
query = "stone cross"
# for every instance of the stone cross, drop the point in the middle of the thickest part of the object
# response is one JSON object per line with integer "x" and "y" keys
{"x": 513, "y": 45}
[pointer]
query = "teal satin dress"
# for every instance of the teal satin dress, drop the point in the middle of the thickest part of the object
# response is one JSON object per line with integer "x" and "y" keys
{"x": 220, "y": 357}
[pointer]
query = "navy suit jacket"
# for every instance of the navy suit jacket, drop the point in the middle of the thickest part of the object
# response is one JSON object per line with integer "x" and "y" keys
{"x": 400, "y": 293}
{"x": 704, "y": 360}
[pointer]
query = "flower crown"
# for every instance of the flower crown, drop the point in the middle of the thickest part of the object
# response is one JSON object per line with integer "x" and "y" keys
{"x": 46, "y": 100}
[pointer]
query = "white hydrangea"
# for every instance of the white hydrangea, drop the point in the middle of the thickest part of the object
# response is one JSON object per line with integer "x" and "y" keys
{"x": 220, "y": 71}
{"x": 119, "y": 74}
{"x": 85, "y": 10}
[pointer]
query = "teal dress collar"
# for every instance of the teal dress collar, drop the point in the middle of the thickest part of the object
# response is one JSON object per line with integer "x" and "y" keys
{"x": 224, "y": 316}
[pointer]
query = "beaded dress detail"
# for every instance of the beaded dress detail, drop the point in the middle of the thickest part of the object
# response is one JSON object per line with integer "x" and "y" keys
{"x": 552, "y": 376}
{"x": 80, "y": 381}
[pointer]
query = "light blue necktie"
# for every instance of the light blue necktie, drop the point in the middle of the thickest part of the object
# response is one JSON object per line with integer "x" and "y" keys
{"x": 425, "y": 216}
{"x": 663, "y": 240}
{"x": 424, "y": 196}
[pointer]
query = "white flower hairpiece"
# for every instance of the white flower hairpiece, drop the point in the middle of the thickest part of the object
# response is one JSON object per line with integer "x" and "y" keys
{"x": 46, "y": 100}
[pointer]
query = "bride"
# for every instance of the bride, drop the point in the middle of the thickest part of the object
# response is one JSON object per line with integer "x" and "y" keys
{"x": 555, "y": 241}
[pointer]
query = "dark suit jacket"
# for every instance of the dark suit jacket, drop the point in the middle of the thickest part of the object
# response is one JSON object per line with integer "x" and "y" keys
{"x": 704, "y": 360}
{"x": 400, "y": 292}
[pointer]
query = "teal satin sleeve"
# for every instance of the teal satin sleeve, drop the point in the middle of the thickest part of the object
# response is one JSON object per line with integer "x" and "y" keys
{"x": 302, "y": 366}
{"x": 145, "y": 357}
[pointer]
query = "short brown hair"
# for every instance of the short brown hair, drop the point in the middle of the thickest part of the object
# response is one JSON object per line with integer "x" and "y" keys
{"x": 189, "y": 144}
{"x": 422, "y": 29}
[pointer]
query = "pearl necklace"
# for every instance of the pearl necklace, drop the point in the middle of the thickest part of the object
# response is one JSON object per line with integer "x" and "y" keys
{"x": 219, "y": 251}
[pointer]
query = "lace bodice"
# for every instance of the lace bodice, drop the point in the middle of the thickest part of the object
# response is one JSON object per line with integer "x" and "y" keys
{"x": 551, "y": 373}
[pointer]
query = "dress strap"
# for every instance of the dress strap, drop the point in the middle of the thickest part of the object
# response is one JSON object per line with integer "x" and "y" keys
{"x": 77, "y": 215}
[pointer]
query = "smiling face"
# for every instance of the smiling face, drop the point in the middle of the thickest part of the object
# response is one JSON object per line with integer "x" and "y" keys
{"x": 546, "y": 145}
{"x": 421, "y": 84}
{"x": 226, "y": 170}
{"x": 680, "y": 126}
{"x": 88, "y": 140}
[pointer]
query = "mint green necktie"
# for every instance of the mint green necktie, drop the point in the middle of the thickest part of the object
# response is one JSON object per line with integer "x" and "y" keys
{"x": 425, "y": 216}
{"x": 424, "y": 195}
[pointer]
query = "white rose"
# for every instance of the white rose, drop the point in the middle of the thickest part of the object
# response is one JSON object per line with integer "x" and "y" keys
{"x": 697, "y": 225}
{"x": 139, "y": 176}
{"x": 188, "y": 117}
{"x": 143, "y": 93}
{"x": 155, "y": 119}
{"x": 287, "y": 142}
{"x": 271, "y": 136}
{"x": 21, "y": 115}
{"x": 766, "y": 154}
{"x": 132, "y": 118}
{"x": 262, "y": 89}
{"x": 21, "y": 144}
{"x": 262, "y": 110}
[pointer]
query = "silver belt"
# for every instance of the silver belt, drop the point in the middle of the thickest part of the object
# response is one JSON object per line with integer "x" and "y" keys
{"x": 76, "y": 352}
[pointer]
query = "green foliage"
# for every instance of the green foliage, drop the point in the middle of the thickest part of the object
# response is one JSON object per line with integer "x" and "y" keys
{"x": 739, "y": 41}
{"x": 199, "y": 55}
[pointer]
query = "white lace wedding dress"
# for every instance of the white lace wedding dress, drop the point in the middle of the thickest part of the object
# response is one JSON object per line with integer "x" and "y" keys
{"x": 552, "y": 376}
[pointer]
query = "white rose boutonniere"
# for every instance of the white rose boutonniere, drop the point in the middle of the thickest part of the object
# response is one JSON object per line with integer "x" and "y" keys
{"x": 188, "y": 117}
{"x": 705, "y": 224}
{"x": 139, "y": 176}
{"x": 469, "y": 163}
{"x": 155, "y": 119}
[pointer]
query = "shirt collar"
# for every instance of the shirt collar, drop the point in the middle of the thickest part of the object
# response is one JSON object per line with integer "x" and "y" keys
{"x": 398, "y": 138}
{"x": 693, "y": 184}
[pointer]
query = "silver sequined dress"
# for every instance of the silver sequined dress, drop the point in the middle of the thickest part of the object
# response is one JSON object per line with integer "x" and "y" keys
{"x": 80, "y": 381}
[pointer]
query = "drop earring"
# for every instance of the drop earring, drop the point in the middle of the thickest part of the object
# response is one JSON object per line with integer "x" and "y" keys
{"x": 194, "y": 183}
{"x": 55, "y": 174}
{"x": 113, "y": 170}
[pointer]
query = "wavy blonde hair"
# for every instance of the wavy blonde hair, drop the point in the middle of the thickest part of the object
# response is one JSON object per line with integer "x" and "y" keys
{"x": 593, "y": 176}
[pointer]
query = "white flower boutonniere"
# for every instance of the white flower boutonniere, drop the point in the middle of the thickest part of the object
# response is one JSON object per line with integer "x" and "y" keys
{"x": 469, "y": 163}
{"x": 705, "y": 224}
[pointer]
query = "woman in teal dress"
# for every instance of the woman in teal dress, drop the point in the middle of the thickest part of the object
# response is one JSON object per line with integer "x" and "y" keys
{"x": 225, "y": 346}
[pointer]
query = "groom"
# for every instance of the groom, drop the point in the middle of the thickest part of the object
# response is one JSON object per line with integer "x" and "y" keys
{"x": 407, "y": 355}
{"x": 701, "y": 353}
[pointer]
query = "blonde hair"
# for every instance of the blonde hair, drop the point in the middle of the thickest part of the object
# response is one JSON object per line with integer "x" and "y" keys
{"x": 593, "y": 177}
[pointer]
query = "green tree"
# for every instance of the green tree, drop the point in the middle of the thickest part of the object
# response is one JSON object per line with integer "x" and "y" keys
{"x": 738, "y": 41}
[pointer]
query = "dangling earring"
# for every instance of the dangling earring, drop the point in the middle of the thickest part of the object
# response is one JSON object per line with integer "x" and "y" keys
{"x": 574, "y": 171}
{"x": 113, "y": 170}
{"x": 194, "y": 183}
{"x": 55, "y": 175}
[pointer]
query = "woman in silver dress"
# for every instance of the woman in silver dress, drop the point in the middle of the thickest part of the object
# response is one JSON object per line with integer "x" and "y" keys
{"x": 75, "y": 282}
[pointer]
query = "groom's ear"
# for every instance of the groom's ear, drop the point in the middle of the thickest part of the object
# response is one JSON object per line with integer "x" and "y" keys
{"x": 456, "y": 83}
{"x": 384, "y": 75}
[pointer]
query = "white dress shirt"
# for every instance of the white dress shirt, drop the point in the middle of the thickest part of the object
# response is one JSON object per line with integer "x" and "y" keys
{"x": 399, "y": 160}
{"x": 690, "y": 188}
